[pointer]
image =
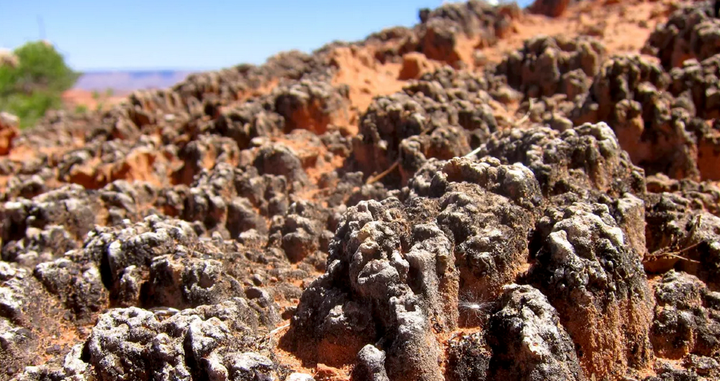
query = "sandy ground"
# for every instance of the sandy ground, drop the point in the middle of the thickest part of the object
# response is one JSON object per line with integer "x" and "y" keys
{"x": 74, "y": 98}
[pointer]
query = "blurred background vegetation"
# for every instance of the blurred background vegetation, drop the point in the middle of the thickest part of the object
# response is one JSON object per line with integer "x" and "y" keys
{"x": 32, "y": 80}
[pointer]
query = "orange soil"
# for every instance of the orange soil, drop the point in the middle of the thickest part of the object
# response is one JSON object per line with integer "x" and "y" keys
{"x": 620, "y": 28}
{"x": 366, "y": 77}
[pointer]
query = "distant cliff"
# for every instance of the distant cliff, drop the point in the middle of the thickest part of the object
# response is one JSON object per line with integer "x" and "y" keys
{"x": 130, "y": 80}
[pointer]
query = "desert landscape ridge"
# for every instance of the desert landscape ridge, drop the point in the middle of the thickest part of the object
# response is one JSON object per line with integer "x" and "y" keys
{"x": 495, "y": 193}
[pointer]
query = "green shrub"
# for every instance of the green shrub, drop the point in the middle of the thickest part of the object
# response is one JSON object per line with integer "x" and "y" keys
{"x": 35, "y": 85}
{"x": 81, "y": 109}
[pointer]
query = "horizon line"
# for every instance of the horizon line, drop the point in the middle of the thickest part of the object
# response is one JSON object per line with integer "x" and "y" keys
{"x": 136, "y": 69}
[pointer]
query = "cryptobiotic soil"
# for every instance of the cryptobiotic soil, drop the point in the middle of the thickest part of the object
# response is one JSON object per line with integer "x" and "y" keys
{"x": 492, "y": 194}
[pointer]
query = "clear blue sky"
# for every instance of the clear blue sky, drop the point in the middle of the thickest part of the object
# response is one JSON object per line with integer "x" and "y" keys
{"x": 182, "y": 34}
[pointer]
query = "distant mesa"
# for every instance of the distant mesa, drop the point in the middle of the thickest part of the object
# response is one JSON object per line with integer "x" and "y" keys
{"x": 125, "y": 81}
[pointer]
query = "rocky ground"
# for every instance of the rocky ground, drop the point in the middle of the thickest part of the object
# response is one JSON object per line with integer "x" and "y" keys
{"x": 466, "y": 199}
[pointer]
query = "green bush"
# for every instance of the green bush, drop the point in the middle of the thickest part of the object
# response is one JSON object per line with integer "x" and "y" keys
{"x": 81, "y": 109}
{"x": 35, "y": 85}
